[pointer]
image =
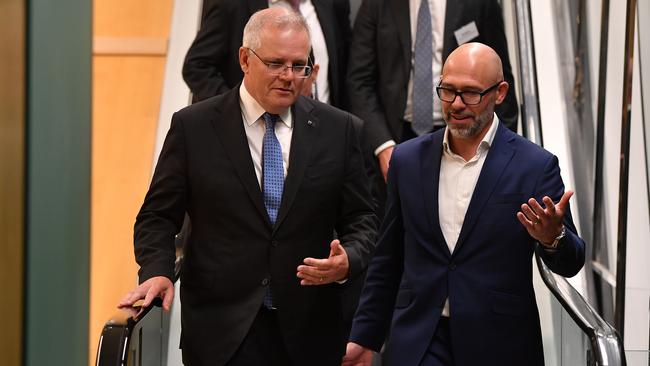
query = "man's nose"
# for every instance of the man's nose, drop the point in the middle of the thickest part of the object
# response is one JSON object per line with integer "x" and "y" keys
{"x": 287, "y": 74}
{"x": 458, "y": 103}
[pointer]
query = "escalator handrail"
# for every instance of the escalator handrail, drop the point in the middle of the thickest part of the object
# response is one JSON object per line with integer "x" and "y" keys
{"x": 605, "y": 341}
{"x": 117, "y": 332}
{"x": 606, "y": 344}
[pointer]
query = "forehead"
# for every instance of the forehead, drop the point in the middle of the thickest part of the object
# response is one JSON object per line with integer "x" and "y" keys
{"x": 284, "y": 43}
{"x": 463, "y": 74}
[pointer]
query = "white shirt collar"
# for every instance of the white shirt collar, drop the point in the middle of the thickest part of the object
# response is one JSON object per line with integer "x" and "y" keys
{"x": 253, "y": 111}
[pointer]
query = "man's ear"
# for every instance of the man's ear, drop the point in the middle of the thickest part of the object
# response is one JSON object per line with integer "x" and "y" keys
{"x": 243, "y": 59}
{"x": 314, "y": 71}
{"x": 502, "y": 91}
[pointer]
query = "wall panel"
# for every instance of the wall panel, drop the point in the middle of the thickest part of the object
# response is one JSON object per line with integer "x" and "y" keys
{"x": 12, "y": 160}
{"x": 128, "y": 65}
{"x": 58, "y": 182}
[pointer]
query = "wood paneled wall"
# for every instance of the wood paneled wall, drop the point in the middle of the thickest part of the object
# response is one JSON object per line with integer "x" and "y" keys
{"x": 130, "y": 39}
{"x": 12, "y": 159}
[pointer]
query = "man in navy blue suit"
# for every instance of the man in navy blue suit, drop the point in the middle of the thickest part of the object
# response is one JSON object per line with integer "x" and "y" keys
{"x": 451, "y": 281}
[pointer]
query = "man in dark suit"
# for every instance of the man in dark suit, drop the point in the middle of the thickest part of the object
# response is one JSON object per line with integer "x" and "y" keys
{"x": 266, "y": 176}
{"x": 384, "y": 61}
{"x": 211, "y": 66}
{"x": 452, "y": 274}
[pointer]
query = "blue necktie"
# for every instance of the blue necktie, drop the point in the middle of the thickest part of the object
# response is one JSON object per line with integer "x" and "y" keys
{"x": 272, "y": 169}
{"x": 422, "y": 73}
{"x": 272, "y": 179}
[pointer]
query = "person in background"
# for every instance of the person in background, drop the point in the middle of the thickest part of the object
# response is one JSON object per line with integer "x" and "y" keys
{"x": 266, "y": 176}
{"x": 396, "y": 55}
{"x": 211, "y": 66}
{"x": 451, "y": 280}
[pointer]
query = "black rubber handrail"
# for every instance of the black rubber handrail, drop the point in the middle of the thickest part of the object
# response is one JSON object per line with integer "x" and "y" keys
{"x": 118, "y": 330}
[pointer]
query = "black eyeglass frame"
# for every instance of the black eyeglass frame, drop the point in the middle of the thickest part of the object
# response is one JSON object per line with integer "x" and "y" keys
{"x": 299, "y": 71}
{"x": 464, "y": 93}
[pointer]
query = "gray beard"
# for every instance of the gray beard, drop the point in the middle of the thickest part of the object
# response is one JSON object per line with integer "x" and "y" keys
{"x": 473, "y": 129}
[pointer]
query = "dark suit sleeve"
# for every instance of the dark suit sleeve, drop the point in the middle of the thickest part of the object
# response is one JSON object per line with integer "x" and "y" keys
{"x": 356, "y": 221}
{"x": 363, "y": 75}
{"x": 205, "y": 61}
{"x": 570, "y": 256}
{"x": 163, "y": 210}
{"x": 373, "y": 317}
{"x": 495, "y": 37}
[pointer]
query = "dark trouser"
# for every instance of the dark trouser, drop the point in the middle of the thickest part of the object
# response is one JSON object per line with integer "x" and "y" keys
{"x": 439, "y": 351}
{"x": 263, "y": 345}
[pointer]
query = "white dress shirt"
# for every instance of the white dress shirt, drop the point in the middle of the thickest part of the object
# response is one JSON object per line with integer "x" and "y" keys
{"x": 317, "y": 43}
{"x": 458, "y": 179}
{"x": 254, "y": 126}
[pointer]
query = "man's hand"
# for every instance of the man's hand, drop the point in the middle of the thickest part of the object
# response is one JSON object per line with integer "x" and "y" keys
{"x": 544, "y": 224}
{"x": 356, "y": 355}
{"x": 324, "y": 271}
{"x": 384, "y": 159}
{"x": 148, "y": 290}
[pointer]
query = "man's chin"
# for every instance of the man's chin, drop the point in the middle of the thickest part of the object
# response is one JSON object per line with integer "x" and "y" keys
{"x": 280, "y": 104}
{"x": 458, "y": 131}
{"x": 465, "y": 130}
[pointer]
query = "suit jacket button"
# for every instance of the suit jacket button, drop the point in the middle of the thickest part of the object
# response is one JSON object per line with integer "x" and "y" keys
{"x": 265, "y": 282}
{"x": 274, "y": 243}
{"x": 452, "y": 266}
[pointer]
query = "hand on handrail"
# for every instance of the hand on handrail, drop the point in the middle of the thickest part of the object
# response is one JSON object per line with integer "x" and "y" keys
{"x": 155, "y": 287}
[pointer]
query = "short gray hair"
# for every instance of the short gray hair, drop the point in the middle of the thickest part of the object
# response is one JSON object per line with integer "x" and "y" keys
{"x": 274, "y": 17}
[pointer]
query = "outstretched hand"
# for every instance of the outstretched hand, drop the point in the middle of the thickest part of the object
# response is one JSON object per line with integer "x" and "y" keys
{"x": 324, "y": 271}
{"x": 544, "y": 224}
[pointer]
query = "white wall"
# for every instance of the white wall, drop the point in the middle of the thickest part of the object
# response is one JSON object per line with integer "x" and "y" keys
{"x": 554, "y": 125}
{"x": 637, "y": 286}
{"x": 554, "y": 128}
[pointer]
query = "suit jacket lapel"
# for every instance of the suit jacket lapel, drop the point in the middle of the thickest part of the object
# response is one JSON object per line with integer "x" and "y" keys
{"x": 453, "y": 11}
{"x": 229, "y": 128}
{"x": 430, "y": 179}
{"x": 496, "y": 162}
{"x": 402, "y": 18}
{"x": 325, "y": 15}
{"x": 304, "y": 131}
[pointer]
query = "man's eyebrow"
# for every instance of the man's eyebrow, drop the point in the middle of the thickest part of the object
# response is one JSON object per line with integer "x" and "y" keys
{"x": 274, "y": 60}
{"x": 298, "y": 62}
{"x": 462, "y": 89}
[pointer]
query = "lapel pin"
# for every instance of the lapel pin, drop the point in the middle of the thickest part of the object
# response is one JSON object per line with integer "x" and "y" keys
{"x": 309, "y": 122}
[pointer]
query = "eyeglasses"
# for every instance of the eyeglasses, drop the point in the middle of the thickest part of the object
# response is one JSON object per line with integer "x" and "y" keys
{"x": 274, "y": 68}
{"x": 468, "y": 97}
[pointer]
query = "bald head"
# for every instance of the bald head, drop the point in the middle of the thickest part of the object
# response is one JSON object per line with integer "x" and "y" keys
{"x": 476, "y": 60}
{"x": 471, "y": 85}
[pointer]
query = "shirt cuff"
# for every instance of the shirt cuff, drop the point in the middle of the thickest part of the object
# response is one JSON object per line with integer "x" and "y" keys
{"x": 384, "y": 146}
